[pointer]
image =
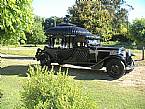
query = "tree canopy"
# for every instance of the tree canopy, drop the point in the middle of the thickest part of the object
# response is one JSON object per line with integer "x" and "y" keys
{"x": 51, "y": 22}
{"x": 36, "y": 36}
{"x": 16, "y": 18}
{"x": 103, "y": 17}
{"x": 137, "y": 31}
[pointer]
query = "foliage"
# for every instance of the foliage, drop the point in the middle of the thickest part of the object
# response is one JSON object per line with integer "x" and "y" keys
{"x": 51, "y": 22}
{"x": 137, "y": 31}
{"x": 44, "y": 90}
{"x": 99, "y": 16}
{"x": 1, "y": 94}
{"x": 15, "y": 18}
{"x": 121, "y": 38}
{"x": 87, "y": 14}
{"x": 36, "y": 36}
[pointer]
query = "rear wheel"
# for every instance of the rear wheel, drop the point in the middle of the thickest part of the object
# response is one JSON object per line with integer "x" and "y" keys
{"x": 115, "y": 68}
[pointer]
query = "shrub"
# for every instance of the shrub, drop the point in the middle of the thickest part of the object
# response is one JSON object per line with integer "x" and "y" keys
{"x": 45, "y": 90}
{"x": 1, "y": 94}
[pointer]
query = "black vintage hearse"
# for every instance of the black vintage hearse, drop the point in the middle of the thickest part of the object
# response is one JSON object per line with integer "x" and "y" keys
{"x": 68, "y": 44}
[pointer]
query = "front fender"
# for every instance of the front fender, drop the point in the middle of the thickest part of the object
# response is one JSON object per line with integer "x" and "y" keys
{"x": 104, "y": 61}
{"x": 116, "y": 57}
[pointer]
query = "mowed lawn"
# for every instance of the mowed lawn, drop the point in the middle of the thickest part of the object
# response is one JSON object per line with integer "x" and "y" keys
{"x": 107, "y": 93}
{"x": 22, "y": 51}
{"x": 12, "y": 76}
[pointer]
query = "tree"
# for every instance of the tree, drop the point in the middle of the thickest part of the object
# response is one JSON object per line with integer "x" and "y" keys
{"x": 87, "y": 14}
{"x": 137, "y": 32}
{"x": 15, "y": 18}
{"x": 103, "y": 17}
{"x": 51, "y": 22}
{"x": 36, "y": 36}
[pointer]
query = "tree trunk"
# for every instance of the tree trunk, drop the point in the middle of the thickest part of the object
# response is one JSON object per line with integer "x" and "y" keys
{"x": 35, "y": 45}
{"x": 143, "y": 53}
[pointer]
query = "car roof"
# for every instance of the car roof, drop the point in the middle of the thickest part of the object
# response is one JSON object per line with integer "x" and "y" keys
{"x": 68, "y": 29}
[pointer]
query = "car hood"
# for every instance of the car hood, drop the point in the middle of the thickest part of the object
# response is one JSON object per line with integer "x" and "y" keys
{"x": 110, "y": 48}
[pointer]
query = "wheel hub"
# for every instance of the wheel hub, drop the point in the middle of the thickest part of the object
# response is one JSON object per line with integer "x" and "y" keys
{"x": 115, "y": 69}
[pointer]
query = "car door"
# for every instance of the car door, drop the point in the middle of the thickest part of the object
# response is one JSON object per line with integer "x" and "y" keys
{"x": 81, "y": 55}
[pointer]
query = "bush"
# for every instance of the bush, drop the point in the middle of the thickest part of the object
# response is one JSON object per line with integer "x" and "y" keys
{"x": 45, "y": 90}
{"x": 1, "y": 94}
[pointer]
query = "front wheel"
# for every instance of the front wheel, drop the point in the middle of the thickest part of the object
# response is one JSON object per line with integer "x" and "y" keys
{"x": 115, "y": 68}
{"x": 45, "y": 60}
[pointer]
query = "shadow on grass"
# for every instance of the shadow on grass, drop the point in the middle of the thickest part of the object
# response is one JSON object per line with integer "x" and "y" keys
{"x": 19, "y": 70}
{"x": 78, "y": 74}
{"x": 85, "y": 74}
{"x": 19, "y": 57}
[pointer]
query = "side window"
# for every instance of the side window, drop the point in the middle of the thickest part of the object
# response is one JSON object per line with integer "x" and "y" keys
{"x": 57, "y": 43}
{"x": 67, "y": 42}
{"x": 54, "y": 42}
{"x": 80, "y": 41}
{"x": 81, "y": 44}
{"x": 51, "y": 42}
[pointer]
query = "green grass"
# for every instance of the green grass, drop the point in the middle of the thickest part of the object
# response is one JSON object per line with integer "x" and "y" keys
{"x": 137, "y": 53}
{"x": 12, "y": 74}
{"x": 117, "y": 44}
{"x": 11, "y": 87}
{"x": 22, "y": 51}
{"x": 108, "y": 95}
{"x": 25, "y": 50}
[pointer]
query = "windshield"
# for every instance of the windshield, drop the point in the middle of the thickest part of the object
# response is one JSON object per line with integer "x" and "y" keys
{"x": 93, "y": 42}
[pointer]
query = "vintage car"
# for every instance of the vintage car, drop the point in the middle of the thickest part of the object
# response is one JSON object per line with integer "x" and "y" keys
{"x": 69, "y": 44}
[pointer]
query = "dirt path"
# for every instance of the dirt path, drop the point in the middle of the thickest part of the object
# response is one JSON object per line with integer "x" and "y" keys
{"x": 134, "y": 78}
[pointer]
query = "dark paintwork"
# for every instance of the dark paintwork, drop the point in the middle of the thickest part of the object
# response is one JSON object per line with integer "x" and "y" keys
{"x": 70, "y": 29}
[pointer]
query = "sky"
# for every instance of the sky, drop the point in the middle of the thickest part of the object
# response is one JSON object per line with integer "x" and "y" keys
{"x": 139, "y": 9}
{"x": 48, "y": 8}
